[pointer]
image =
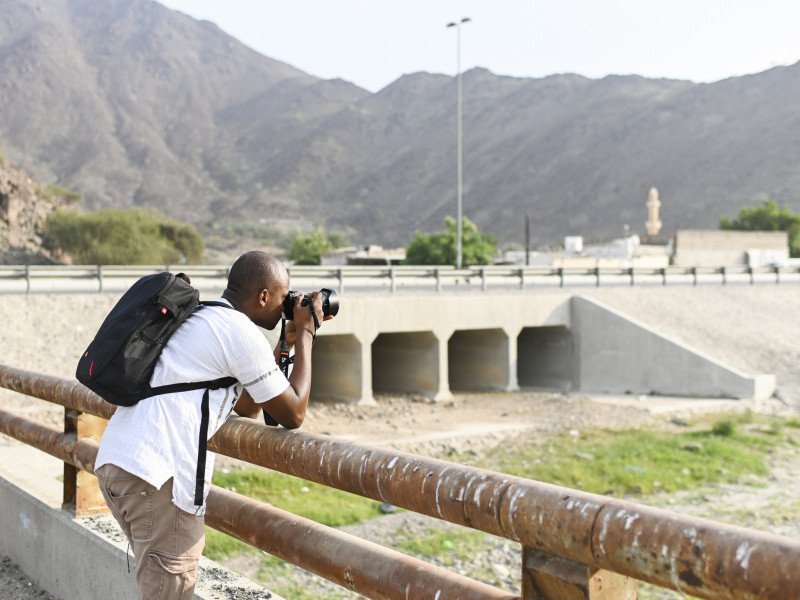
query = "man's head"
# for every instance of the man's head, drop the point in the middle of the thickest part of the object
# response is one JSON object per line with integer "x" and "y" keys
{"x": 257, "y": 284}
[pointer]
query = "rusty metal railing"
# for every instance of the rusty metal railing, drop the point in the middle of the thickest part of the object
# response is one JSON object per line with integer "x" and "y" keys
{"x": 574, "y": 544}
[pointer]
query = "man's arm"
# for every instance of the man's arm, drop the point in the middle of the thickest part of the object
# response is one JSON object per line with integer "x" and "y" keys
{"x": 289, "y": 407}
{"x": 246, "y": 406}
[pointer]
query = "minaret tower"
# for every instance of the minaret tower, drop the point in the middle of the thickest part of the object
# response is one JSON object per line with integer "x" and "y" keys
{"x": 653, "y": 224}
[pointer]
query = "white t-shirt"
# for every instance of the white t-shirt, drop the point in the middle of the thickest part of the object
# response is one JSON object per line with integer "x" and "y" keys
{"x": 158, "y": 437}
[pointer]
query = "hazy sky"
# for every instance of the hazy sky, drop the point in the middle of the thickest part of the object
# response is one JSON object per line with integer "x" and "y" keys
{"x": 373, "y": 42}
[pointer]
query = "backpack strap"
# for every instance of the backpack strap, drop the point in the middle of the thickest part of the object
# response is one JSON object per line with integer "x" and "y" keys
{"x": 214, "y": 303}
{"x": 200, "y": 477}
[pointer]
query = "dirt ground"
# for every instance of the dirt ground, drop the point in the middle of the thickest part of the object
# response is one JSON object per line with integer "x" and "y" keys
{"x": 472, "y": 421}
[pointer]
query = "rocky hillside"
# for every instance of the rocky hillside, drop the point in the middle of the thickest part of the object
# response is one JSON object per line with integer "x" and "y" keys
{"x": 24, "y": 207}
{"x": 133, "y": 104}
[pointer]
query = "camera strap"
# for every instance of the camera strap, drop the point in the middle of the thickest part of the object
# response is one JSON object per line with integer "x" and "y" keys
{"x": 285, "y": 360}
{"x": 283, "y": 363}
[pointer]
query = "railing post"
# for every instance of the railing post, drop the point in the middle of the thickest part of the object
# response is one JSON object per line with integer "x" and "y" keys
{"x": 99, "y": 279}
{"x": 81, "y": 492}
{"x": 561, "y": 276}
{"x": 27, "y": 279}
{"x": 549, "y": 577}
{"x": 522, "y": 279}
{"x": 694, "y": 275}
{"x": 750, "y": 272}
{"x": 597, "y": 276}
{"x": 438, "y": 273}
{"x": 340, "y": 275}
{"x": 777, "y": 274}
{"x": 663, "y": 276}
{"x": 483, "y": 279}
{"x": 393, "y": 279}
{"x": 723, "y": 272}
{"x": 630, "y": 272}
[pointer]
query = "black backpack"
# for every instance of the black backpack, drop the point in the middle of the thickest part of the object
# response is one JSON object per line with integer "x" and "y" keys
{"x": 119, "y": 362}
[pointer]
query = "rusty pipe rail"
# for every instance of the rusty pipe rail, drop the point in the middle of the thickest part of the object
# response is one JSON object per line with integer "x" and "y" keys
{"x": 696, "y": 556}
{"x": 361, "y": 566}
{"x": 366, "y": 568}
{"x": 67, "y": 447}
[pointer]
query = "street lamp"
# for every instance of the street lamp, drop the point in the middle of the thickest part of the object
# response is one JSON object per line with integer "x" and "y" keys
{"x": 457, "y": 25}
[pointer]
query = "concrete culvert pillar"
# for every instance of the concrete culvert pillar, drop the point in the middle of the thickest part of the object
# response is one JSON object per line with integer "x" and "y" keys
{"x": 407, "y": 363}
{"x": 338, "y": 371}
{"x": 482, "y": 359}
{"x": 545, "y": 357}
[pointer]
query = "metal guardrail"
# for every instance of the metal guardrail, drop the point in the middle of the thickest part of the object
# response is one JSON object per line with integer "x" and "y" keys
{"x": 574, "y": 544}
{"x": 100, "y": 278}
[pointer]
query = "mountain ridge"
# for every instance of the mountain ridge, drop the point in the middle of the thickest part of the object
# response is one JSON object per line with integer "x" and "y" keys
{"x": 134, "y": 105}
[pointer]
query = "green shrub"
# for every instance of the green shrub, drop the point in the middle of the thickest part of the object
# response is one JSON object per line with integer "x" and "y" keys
{"x": 477, "y": 248}
{"x": 308, "y": 249}
{"x": 51, "y": 190}
{"x": 123, "y": 237}
{"x": 725, "y": 427}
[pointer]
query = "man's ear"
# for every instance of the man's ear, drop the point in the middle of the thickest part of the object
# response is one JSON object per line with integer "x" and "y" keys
{"x": 263, "y": 297}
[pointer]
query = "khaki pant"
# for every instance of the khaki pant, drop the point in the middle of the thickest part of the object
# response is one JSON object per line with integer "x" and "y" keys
{"x": 167, "y": 542}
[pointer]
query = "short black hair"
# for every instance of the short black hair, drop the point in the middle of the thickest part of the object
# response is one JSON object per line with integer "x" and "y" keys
{"x": 254, "y": 271}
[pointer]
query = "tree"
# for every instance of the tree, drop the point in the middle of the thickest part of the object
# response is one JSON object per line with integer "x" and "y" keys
{"x": 308, "y": 249}
{"x": 768, "y": 217}
{"x": 477, "y": 248}
{"x": 123, "y": 237}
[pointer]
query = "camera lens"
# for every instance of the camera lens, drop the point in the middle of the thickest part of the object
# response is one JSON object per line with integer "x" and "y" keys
{"x": 330, "y": 303}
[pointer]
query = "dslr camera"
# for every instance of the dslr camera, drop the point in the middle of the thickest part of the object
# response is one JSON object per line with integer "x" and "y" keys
{"x": 330, "y": 303}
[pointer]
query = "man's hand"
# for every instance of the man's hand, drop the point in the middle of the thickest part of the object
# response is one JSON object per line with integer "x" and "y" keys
{"x": 303, "y": 319}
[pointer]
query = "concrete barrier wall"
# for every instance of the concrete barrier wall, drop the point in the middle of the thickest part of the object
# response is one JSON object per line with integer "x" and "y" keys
{"x": 84, "y": 558}
{"x": 617, "y": 354}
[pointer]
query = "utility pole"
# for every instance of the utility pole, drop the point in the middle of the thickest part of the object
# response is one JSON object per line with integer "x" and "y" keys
{"x": 457, "y": 25}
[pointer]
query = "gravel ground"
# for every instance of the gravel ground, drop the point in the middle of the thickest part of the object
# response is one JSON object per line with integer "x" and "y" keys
{"x": 750, "y": 328}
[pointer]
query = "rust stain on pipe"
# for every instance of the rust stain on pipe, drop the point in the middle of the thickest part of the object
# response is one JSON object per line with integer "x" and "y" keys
{"x": 53, "y": 389}
{"x": 364, "y": 567}
{"x": 66, "y": 447}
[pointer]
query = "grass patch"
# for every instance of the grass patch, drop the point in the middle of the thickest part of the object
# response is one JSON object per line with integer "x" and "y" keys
{"x": 635, "y": 462}
{"x": 310, "y": 500}
{"x": 446, "y": 544}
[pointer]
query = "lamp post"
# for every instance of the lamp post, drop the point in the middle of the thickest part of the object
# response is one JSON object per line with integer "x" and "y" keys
{"x": 457, "y": 25}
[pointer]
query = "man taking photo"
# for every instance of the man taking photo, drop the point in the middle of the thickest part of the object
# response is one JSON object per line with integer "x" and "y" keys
{"x": 147, "y": 464}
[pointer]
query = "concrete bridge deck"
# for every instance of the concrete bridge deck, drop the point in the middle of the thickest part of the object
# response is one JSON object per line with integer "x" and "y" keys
{"x": 434, "y": 344}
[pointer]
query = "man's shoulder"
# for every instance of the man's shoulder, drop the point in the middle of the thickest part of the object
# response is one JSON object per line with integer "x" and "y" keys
{"x": 224, "y": 323}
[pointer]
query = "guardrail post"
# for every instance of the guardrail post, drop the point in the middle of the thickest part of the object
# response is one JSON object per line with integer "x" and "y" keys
{"x": 27, "y": 279}
{"x": 663, "y": 276}
{"x": 438, "y": 273}
{"x": 723, "y": 272}
{"x": 750, "y": 272}
{"x": 522, "y": 279}
{"x": 693, "y": 271}
{"x": 777, "y": 274}
{"x": 340, "y": 275}
{"x": 393, "y": 278}
{"x": 483, "y": 279}
{"x": 81, "y": 492}
{"x": 630, "y": 272}
{"x": 597, "y": 276}
{"x": 99, "y": 279}
{"x": 549, "y": 577}
{"x": 561, "y": 276}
